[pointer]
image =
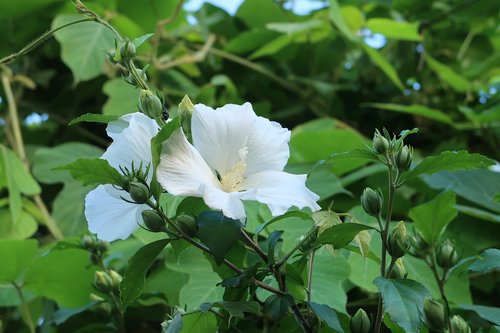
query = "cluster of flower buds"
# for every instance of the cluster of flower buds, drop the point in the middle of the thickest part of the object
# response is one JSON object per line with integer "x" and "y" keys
{"x": 396, "y": 153}
{"x": 372, "y": 201}
{"x": 107, "y": 282}
{"x": 398, "y": 242}
{"x": 96, "y": 248}
{"x": 360, "y": 323}
{"x": 136, "y": 183}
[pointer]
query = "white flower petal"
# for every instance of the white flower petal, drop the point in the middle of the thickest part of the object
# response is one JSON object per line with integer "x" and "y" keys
{"x": 280, "y": 191}
{"x": 230, "y": 203}
{"x": 182, "y": 170}
{"x": 267, "y": 145}
{"x": 131, "y": 143}
{"x": 220, "y": 134}
{"x": 109, "y": 216}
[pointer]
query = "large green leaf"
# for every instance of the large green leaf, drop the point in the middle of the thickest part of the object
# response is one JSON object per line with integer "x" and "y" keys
{"x": 328, "y": 315}
{"x": 199, "y": 322}
{"x": 382, "y": 63}
{"x": 341, "y": 235}
{"x": 83, "y": 46}
{"x": 450, "y": 161}
{"x": 133, "y": 281}
{"x": 93, "y": 171}
{"x": 17, "y": 255}
{"x": 453, "y": 79}
{"x": 394, "y": 29}
{"x": 488, "y": 261}
{"x": 22, "y": 228}
{"x": 162, "y": 136}
{"x": 431, "y": 218}
{"x": 122, "y": 98}
{"x": 488, "y": 313}
{"x": 62, "y": 275}
{"x": 415, "y": 109}
{"x": 218, "y": 232}
{"x": 403, "y": 301}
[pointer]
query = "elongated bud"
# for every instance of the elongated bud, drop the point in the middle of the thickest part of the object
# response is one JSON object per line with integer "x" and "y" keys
{"x": 434, "y": 314}
{"x": 459, "y": 325}
{"x": 103, "y": 282}
{"x": 446, "y": 255}
{"x": 187, "y": 224}
{"x": 398, "y": 241}
{"x": 403, "y": 158}
{"x": 150, "y": 104}
{"x": 88, "y": 242}
{"x": 372, "y": 201}
{"x": 127, "y": 50}
{"x": 153, "y": 221}
{"x": 399, "y": 270}
{"x": 116, "y": 278}
{"x": 186, "y": 109}
{"x": 360, "y": 323}
{"x": 139, "y": 192}
{"x": 380, "y": 143}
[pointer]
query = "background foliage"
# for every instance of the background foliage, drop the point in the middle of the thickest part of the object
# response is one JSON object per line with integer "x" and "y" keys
{"x": 333, "y": 76}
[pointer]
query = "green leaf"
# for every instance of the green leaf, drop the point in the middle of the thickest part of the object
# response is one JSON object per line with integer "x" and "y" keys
{"x": 431, "y": 218}
{"x": 83, "y": 46}
{"x": 328, "y": 315}
{"x": 478, "y": 213}
{"x": 278, "y": 305}
{"x": 272, "y": 245}
{"x": 258, "y": 13}
{"x": 294, "y": 27}
{"x": 341, "y": 235}
{"x": 238, "y": 309}
{"x": 382, "y": 63}
{"x": 338, "y": 20}
{"x": 135, "y": 275}
{"x": 93, "y": 118}
{"x": 218, "y": 232}
{"x": 174, "y": 325}
{"x": 199, "y": 322}
{"x": 454, "y": 80}
{"x": 250, "y": 40}
{"x": 488, "y": 313}
{"x": 22, "y": 228}
{"x": 93, "y": 171}
{"x": 122, "y": 98}
{"x": 17, "y": 255}
{"x": 62, "y": 275}
{"x": 403, "y": 301}
{"x": 161, "y": 137}
{"x": 293, "y": 213}
{"x": 272, "y": 47}
{"x": 364, "y": 154}
{"x": 415, "y": 109}
{"x": 450, "y": 161}
{"x": 140, "y": 40}
{"x": 487, "y": 261}
{"x": 395, "y": 29}
{"x": 68, "y": 209}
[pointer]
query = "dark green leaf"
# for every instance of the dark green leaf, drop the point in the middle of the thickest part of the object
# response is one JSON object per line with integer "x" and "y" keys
{"x": 341, "y": 235}
{"x": 403, "y": 301}
{"x": 237, "y": 309}
{"x": 93, "y": 171}
{"x": 415, "y": 109}
{"x": 16, "y": 256}
{"x": 272, "y": 242}
{"x": 199, "y": 322}
{"x": 486, "y": 312}
{"x": 328, "y": 315}
{"x": 431, "y": 218}
{"x": 278, "y": 305}
{"x": 135, "y": 275}
{"x": 450, "y": 161}
{"x": 93, "y": 118}
{"x": 218, "y": 232}
{"x": 487, "y": 261}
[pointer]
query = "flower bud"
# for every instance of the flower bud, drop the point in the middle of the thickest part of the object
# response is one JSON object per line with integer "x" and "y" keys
{"x": 131, "y": 79}
{"x": 187, "y": 224}
{"x": 103, "y": 282}
{"x": 403, "y": 158}
{"x": 186, "y": 109}
{"x": 139, "y": 192}
{"x": 88, "y": 242}
{"x": 372, "y": 201}
{"x": 116, "y": 278}
{"x": 459, "y": 325}
{"x": 380, "y": 143}
{"x": 111, "y": 54}
{"x": 127, "y": 50}
{"x": 150, "y": 104}
{"x": 434, "y": 313}
{"x": 446, "y": 255}
{"x": 360, "y": 323}
{"x": 399, "y": 270}
{"x": 153, "y": 221}
{"x": 96, "y": 298}
{"x": 101, "y": 246}
{"x": 398, "y": 241}
{"x": 104, "y": 308}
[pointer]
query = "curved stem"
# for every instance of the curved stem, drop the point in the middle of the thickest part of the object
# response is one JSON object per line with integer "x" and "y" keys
{"x": 441, "y": 282}
{"x": 24, "y": 308}
{"x": 250, "y": 242}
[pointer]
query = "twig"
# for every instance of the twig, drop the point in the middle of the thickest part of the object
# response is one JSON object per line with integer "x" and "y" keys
{"x": 155, "y": 40}
{"x": 198, "y": 56}
{"x": 24, "y": 307}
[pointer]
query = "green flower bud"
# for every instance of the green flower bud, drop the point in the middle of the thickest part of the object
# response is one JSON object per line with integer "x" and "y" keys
{"x": 399, "y": 270}
{"x": 398, "y": 241}
{"x": 111, "y": 54}
{"x": 459, "y": 325}
{"x": 139, "y": 192}
{"x": 446, "y": 255}
{"x": 372, "y": 201}
{"x": 187, "y": 224}
{"x": 360, "y": 323}
{"x": 434, "y": 314}
{"x": 104, "y": 308}
{"x": 96, "y": 298}
{"x": 127, "y": 50}
{"x": 186, "y": 109}
{"x": 380, "y": 143}
{"x": 130, "y": 79}
{"x": 88, "y": 242}
{"x": 403, "y": 158}
{"x": 101, "y": 246}
{"x": 150, "y": 104}
{"x": 116, "y": 278}
{"x": 153, "y": 221}
{"x": 103, "y": 282}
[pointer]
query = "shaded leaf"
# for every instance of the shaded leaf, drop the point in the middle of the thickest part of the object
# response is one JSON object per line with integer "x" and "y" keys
{"x": 93, "y": 171}
{"x": 278, "y": 305}
{"x": 341, "y": 235}
{"x": 328, "y": 315}
{"x": 487, "y": 261}
{"x": 16, "y": 256}
{"x": 415, "y": 109}
{"x": 454, "y": 80}
{"x": 93, "y": 118}
{"x": 488, "y": 313}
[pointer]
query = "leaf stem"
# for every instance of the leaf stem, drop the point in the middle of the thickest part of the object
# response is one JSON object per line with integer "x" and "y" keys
{"x": 24, "y": 307}
{"x": 441, "y": 281}
{"x": 250, "y": 242}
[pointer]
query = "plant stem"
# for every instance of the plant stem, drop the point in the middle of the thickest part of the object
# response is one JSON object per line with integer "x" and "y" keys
{"x": 441, "y": 282}
{"x": 250, "y": 242}
{"x": 24, "y": 308}
{"x": 309, "y": 284}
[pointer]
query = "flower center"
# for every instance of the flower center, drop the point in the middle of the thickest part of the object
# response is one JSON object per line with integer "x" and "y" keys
{"x": 232, "y": 179}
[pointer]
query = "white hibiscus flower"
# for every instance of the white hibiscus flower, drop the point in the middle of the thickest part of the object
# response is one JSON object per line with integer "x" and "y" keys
{"x": 109, "y": 216}
{"x": 236, "y": 156}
